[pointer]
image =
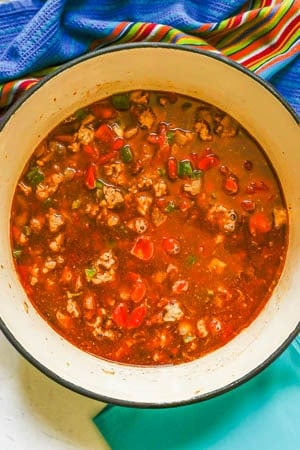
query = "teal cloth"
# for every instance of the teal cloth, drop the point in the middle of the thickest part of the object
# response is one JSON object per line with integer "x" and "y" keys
{"x": 261, "y": 414}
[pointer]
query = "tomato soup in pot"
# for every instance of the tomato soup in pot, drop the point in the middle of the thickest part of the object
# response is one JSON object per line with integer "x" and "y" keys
{"x": 149, "y": 228}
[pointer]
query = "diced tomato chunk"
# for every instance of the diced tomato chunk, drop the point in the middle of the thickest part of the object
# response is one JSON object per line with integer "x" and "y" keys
{"x": 227, "y": 332}
{"x": 16, "y": 232}
{"x": 66, "y": 275}
{"x": 118, "y": 143}
{"x": 90, "y": 176}
{"x": 139, "y": 291}
{"x": 259, "y": 223}
{"x": 137, "y": 316}
{"x": 171, "y": 246}
{"x": 180, "y": 286}
{"x": 24, "y": 273}
{"x": 123, "y": 319}
{"x": 91, "y": 150}
{"x": 153, "y": 138}
{"x": 161, "y": 202}
{"x": 105, "y": 134}
{"x": 231, "y": 185}
{"x": 143, "y": 248}
{"x": 133, "y": 277}
{"x": 120, "y": 315}
{"x": 207, "y": 162}
{"x": 106, "y": 157}
{"x": 103, "y": 111}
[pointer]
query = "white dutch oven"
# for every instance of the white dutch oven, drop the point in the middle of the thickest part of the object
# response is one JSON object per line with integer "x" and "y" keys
{"x": 190, "y": 72}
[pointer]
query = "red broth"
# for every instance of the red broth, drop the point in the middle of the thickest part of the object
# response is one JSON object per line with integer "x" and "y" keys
{"x": 149, "y": 228}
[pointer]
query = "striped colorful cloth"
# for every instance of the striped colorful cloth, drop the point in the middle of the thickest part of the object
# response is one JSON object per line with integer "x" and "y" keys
{"x": 36, "y": 36}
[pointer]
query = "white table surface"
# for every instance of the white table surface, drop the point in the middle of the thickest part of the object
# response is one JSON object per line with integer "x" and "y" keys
{"x": 38, "y": 414}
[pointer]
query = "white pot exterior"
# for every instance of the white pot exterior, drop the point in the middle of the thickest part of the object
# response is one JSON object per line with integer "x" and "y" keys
{"x": 188, "y": 72}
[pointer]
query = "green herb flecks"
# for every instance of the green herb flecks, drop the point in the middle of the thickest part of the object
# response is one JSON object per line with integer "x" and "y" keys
{"x": 126, "y": 154}
{"x": 48, "y": 202}
{"x": 120, "y": 101}
{"x": 161, "y": 171}
{"x": 35, "y": 176}
{"x": 99, "y": 183}
{"x": 185, "y": 168}
{"x": 81, "y": 114}
{"x": 196, "y": 174}
{"x": 170, "y": 137}
{"x": 171, "y": 206}
{"x": 191, "y": 260}
{"x": 187, "y": 339}
{"x": 90, "y": 273}
{"x": 76, "y": 204}
{"x": 17, "y": 252}
{"x": 26, "y": 230}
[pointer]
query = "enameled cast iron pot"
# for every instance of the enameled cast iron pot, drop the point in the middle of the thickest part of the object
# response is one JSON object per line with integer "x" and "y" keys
{"x": 160, "y": 67}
